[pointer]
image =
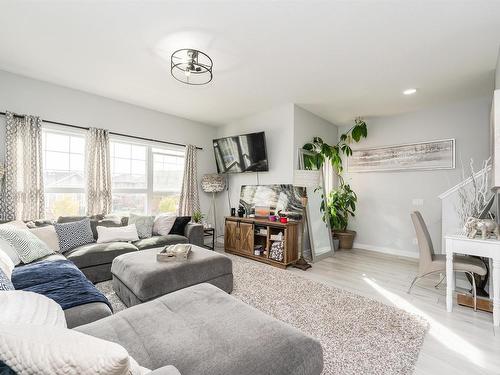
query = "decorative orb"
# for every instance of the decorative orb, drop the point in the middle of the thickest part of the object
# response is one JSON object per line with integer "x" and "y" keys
{"x": 213, "y": 183}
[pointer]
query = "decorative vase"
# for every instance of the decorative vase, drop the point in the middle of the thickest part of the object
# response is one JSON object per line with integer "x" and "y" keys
{"x": 346, "y": 239}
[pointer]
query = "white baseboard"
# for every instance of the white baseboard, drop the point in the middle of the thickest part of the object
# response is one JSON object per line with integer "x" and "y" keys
{"x": 386, "y": 250}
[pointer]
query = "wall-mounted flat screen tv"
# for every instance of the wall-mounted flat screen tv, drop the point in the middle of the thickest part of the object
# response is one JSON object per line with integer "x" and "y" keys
{"x": 241, "y": 153}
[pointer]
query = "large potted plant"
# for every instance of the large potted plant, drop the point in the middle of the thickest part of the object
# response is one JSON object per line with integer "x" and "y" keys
{"x": 341, "y": 202}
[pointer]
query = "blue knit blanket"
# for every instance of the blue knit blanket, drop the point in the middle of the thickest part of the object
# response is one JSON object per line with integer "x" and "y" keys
{"x": 60, "y": 280}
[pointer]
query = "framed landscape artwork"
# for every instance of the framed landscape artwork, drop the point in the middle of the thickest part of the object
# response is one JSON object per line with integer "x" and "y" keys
{"x": 430, "y": 155}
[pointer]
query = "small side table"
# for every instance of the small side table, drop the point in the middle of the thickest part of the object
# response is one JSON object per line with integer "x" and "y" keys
{"x": 209, "y": 232}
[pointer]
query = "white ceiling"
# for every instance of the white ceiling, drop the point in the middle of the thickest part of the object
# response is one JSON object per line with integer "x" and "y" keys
{"x": 339, "y": 59}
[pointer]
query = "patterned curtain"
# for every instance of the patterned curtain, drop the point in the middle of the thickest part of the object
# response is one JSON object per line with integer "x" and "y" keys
{"x": 98, "y": 172}
{"x": 189, "y": 201}
{"x": 22, "y": 194}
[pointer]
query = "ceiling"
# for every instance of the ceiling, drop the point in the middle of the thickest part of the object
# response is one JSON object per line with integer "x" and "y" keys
{"x": 338, "y": 59}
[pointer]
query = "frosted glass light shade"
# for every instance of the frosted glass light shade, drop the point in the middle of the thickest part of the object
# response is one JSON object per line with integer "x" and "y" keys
{"x": 306, "y": 178}
{"x": 213, "y": 183}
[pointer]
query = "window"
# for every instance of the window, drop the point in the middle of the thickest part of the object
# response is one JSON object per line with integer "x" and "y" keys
{"x": 64, "y": 166}
{"x": 168, "y": 169}
{"x": 145, "y": 178}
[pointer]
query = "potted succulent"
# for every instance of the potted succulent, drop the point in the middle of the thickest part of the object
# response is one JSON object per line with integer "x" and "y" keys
{"x": 340, "y": 204}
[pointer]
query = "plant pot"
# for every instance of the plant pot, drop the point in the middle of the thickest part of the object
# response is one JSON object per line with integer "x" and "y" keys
{"x": 346, "y": 238}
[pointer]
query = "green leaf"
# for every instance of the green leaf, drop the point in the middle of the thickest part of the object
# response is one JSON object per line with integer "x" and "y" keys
{"x": 308, "y": 147}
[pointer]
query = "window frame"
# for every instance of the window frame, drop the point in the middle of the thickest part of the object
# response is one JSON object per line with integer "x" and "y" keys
{"x": 65, "y": 190}
{"x": 149, "y": 190}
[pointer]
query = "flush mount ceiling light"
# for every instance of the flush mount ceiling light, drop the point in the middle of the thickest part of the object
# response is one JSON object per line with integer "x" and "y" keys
{"x": 191, "y": 66}
{"x": 409, "y": 91}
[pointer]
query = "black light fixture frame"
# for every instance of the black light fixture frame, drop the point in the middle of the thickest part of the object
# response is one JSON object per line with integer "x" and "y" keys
{"x": 204, "y": 68}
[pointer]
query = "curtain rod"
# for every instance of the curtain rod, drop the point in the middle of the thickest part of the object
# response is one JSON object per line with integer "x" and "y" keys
{"x": 113, "y": 133}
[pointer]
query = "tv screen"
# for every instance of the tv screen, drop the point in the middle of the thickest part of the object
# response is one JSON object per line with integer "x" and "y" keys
{"x": 241, "y": 153}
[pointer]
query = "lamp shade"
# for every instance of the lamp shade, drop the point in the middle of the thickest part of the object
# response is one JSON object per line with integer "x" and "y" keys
{"x": 306, "y": 178}
{"x": 213, "y": 183}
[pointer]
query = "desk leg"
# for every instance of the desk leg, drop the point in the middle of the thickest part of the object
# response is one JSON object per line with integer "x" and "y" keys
{"x": 450, "y": 280}
{"x": 496, "y": 292}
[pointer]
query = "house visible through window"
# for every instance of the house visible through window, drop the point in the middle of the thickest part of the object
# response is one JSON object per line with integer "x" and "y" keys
{"x": 64, "y": 176}
{"x": 146, "y": 178}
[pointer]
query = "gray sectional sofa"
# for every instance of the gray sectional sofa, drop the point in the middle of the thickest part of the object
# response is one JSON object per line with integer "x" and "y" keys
{"x": 203, "y": 330}
{"x": 95, "y": 259}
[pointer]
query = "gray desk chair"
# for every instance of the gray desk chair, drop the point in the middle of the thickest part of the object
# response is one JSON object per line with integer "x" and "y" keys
{"x": 429, "y": 263}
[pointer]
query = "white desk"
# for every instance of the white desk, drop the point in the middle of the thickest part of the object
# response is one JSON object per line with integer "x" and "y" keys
{"x": 483, "y": 248}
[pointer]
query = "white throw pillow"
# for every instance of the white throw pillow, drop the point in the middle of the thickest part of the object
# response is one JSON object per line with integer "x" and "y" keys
{"x": 31, "y": 349}
{"x": 163, "y": 224}
{"x": 6, "y": 264}
{"x": 22, "y": 307}
{"x": 49, "y": 236}
{"x": 113, "y": 234}
{"x": 7, "y": 247}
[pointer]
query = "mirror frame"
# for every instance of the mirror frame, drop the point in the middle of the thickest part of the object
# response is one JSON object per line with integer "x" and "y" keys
{"x": 301, "y": 152}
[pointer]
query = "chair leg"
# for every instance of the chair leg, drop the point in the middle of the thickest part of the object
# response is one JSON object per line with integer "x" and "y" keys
{"x": 440, "y": 281}
{"x": 412, "y": 283}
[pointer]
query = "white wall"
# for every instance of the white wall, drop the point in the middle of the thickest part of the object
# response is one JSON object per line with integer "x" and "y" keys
{"x": 52, "y": 102}
{"x": 277, "y": 123}
{"x": 287, "y": 128}
{"x": 497, "y": 73}
{"x": 385, "y": 199}
{"x": 307, "y": 125}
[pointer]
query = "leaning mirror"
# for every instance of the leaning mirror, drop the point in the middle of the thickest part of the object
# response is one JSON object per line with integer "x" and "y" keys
{"x": 317, "y": 240}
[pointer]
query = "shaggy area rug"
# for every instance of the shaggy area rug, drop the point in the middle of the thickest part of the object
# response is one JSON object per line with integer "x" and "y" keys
{"x": 358, "y": 335}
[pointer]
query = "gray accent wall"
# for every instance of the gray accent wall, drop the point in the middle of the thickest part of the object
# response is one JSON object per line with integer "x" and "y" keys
{"x": 387, "y": 198}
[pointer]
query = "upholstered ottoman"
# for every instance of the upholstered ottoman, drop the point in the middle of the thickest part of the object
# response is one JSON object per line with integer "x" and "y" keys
{"x": 138, "y": 277}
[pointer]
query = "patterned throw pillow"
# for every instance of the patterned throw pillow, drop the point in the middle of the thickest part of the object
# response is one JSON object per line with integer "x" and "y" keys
{"x": 74, "y": 234}
{"x": 28, "y": 246}
{"x": 5, "y": 283}
{"x": 144, "y": 225}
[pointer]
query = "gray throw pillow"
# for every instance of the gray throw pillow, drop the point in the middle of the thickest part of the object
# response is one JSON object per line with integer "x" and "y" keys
{"x": 144, "y": 224}
{"x": 28, "y": 246}
{"x": 74, "y": 234}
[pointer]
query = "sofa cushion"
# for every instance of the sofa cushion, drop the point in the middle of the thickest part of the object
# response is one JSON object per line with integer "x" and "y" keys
{"x": 95, "y": 220}
{"x": 5, "y": 282}
{"x": 203, "y": 330}
{"x": 179, "y": 226}
{"x": 48, "y": 235}
{"x": 6, "y": 264}
{"x": 98, "y": 253}
{"x": 74, "y": 234}
{"x": 33, "y": 349}
{"x": 22, "y": 307}
{"x": 139, "y": 277}
{"x": 160, "y": 241}
{"x": 28, "y": 246}
{"x": 117, "y": 234}
{"x": 144, "y": 224}
{"x": 163, "y": 224}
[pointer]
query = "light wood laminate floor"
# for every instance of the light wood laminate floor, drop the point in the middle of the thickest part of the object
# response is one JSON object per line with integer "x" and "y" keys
{"x": 461, "y": 342}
